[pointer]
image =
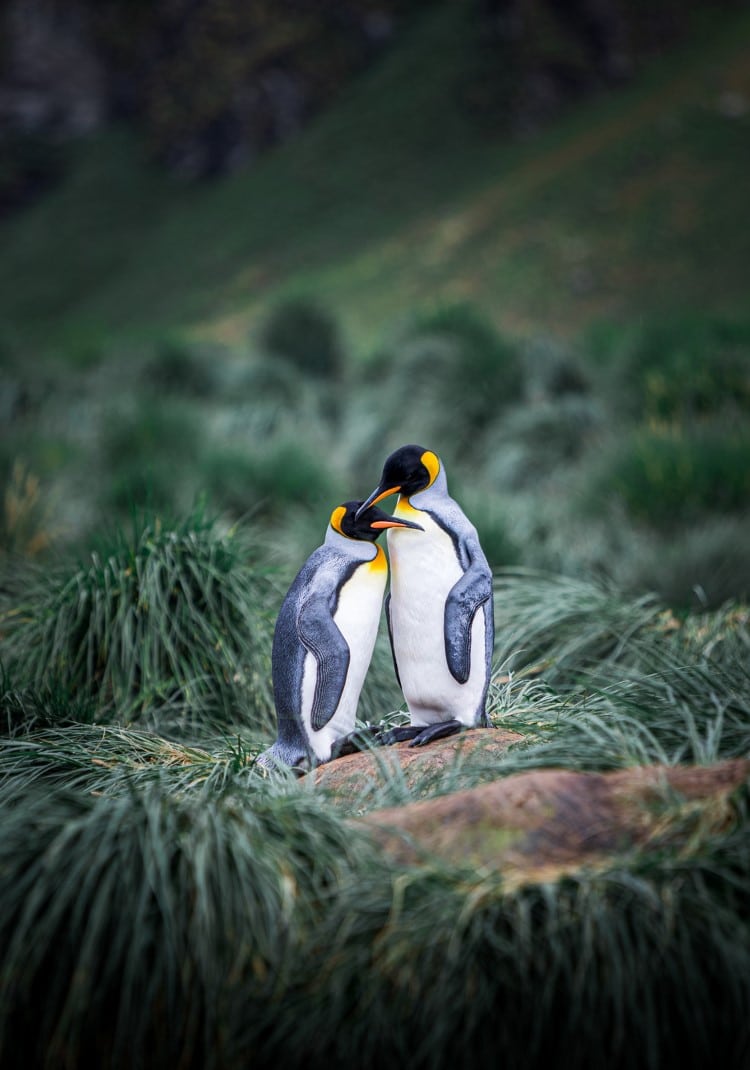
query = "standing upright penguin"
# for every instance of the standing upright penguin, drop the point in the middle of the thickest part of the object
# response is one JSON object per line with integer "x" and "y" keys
{"x": 324, "y": 637}
{"x": 439, "y": 609}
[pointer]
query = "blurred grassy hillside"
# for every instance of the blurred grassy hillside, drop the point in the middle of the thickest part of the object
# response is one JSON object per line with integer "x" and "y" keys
{"x": 563, "y": 316}
{"x": 633, "y": 202}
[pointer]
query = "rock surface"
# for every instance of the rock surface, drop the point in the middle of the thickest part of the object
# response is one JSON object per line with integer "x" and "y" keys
{"x": 544, "y": 824}
{"x": 344, "y": 776}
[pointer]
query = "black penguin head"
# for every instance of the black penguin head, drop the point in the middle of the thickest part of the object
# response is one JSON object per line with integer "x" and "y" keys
{"x": 408, "y": 470}
{"x": 354, "y": 522}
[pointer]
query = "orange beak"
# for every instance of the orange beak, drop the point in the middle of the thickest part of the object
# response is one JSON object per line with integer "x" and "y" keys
{"x": 395, "y": 524}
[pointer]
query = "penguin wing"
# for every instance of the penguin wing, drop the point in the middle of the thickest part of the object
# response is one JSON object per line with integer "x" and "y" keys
{"x": 470, "y": 592}
{"x": 319, "y": 633}
{"x": 390, "y": 635}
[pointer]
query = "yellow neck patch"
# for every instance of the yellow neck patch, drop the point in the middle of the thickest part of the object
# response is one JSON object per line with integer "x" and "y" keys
{"x": 379, "y": 562}
{"x": 405, "y": 510}
{"x": 432, "y": 464}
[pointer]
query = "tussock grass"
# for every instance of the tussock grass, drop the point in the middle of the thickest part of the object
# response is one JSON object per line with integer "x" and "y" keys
{"x": 563, "y": 624}
{"x": 172, "y": 920}
{"x": 106, "y": 759}
{"x": 25, "y": 708}
{"x": 169, "y": 616}
{"x": 178, "y": 369}
{"x": 669, "y": 477}
{"x": 209, "y": 928}
{"x": 674, "y": 368}
{"x": 457, "y": 372}
{"x": 438, "y": 967}
{"x": 166, "y": 903}
{"x": 148, "y": 454}
{"x": 596, "y": 680}
{"x": 306, "y": 336}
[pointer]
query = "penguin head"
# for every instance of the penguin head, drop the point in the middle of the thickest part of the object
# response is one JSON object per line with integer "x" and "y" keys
{"x": 408, "y": 470}
{"x": 365, "y": 524}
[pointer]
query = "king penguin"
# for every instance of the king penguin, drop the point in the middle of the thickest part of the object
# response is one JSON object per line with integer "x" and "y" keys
{"x": 439, "y": 608}
{"x": 324, "y": 637}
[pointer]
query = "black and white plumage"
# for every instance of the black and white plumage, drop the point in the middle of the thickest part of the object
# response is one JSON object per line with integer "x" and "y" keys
{"x": 440, "y": 612}
{"x": 324, "y": 638}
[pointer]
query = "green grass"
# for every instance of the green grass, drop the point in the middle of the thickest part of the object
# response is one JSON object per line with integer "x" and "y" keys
{"x": 166, "y": 903}
{"x": 670, "y": 478}
{"x": 175, "y": 617}
{"x": 674, "y": 370}
{"x": 173, "y": 914}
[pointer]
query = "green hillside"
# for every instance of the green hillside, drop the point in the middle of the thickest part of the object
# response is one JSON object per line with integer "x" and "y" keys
{"x": 632, "y": 202}
{"x": 564, "y": 316}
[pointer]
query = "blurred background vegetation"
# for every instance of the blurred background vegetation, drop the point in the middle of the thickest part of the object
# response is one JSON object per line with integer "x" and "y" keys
{"x": 249, "y": 248}
{"x": 246, "y": 249}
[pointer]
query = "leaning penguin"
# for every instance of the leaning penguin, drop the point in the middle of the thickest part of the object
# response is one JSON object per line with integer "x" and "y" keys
{"x": 324, "y": 638}
{"x": 439, "y": 609}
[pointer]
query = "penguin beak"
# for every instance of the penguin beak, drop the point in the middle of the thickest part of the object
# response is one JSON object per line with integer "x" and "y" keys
{"x": 377, "y": 496}
{"x": 393, "y": 523}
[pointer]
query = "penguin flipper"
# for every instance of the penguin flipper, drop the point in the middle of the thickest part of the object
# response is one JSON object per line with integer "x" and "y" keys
{"x": 320, "y": 635}
{"x": 390, "y": 635}
{"x": 464, "y": 599}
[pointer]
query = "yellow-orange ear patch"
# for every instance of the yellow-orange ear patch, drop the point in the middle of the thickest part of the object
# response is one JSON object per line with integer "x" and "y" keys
{"x": 337, "y": 516}
{"x": 432, "y": 464}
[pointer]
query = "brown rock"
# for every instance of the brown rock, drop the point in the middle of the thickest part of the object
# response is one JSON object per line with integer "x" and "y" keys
{"x": 540, "y": 825}
{"x": 345, "y": 776}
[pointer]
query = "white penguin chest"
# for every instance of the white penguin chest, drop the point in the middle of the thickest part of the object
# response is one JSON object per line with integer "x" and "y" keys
{"x": 424, "y": 569}
{"x": 424, "y": 566}
{"x": 357, "y": 612}
{"x": 356, "y": 615}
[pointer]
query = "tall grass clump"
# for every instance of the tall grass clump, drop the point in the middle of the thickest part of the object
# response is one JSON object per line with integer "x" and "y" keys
{"x": 302, "y": 333}
{"x": 596, "y": 680}
{"x": 668, "y": 477}
{"x": 176, "y": 368}
{"x": 270, "y": 482}
{"x": 221, "y": 929}
{"x": 24, "y": 709}
{"x": 563, "y": 625}
{"x": 677, "y": 369}
{"x": 449, "y": 372}
{"x": 147, "y": 456}
{"x": 443, "y": 967}
{"x": 151, "y": 928}
{"x": 700, "y": 567}
{"x": 167, "y": 616}
{"x": 541, "y": 441}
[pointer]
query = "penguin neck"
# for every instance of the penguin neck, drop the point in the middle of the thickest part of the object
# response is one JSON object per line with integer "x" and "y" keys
{"x": 359, "y": 549}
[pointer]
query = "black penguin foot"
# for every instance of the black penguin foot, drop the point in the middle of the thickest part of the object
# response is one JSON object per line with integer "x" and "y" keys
{"x": 399, "y": 734}
{"x": 421, "y": 734}
{"x": 358, "y": 740}
{"x": 436, "y": 731}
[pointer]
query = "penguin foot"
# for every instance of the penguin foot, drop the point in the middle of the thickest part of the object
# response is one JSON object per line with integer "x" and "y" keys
{"x": 274, "y": 760}
{"x": 421, "y": 734}
{"x": 436, "y": 731}
{"x": 359, "y": 740}
{"x": 399, "y": 734}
